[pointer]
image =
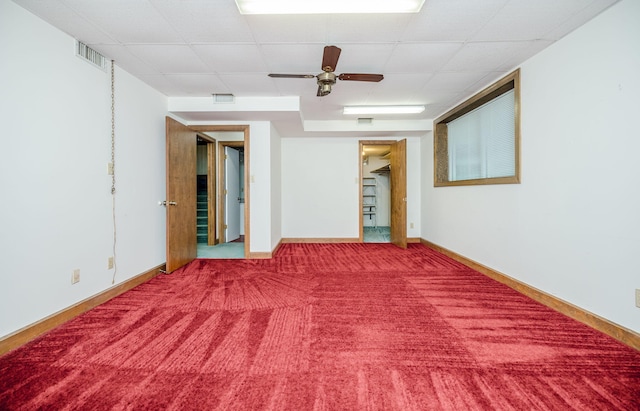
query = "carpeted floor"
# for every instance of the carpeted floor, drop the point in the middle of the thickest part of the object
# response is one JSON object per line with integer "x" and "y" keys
{"x": 323, "y": 327}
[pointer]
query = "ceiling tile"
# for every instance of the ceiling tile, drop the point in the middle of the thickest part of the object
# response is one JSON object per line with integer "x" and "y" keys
{"x": 249, "y": 85}
{"x": 400, "y": 88}
{"x": 67, "y": 20}
{"x": 366, "y": 28}
{"x": 293, "y": 58}
{"x": 363, "y": 58}
{"x": 205, "y": 21}
{"x": 451, "y": 20}
{"x": 169, "y": 58}
{"x": 421, "y": 57}
{"x": 125, "y": 58}
{"x": 482, "y": 56}
{"x": 128, "y": 21}
{"x": 200, "y": 85}
{"x": 290, "y": 29}
{"x": 229, "y": 58}
{"x": 527, "y": 20}
{"x": 453, "y": 80}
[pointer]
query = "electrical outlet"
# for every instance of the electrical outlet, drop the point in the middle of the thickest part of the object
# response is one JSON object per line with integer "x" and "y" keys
{"x": 110, "y": 169}
{"x": 638, "y": 297}
{"x": 411, "y": 225}
{"x": 76, "y": 276}
{"x": 110, "y": 263}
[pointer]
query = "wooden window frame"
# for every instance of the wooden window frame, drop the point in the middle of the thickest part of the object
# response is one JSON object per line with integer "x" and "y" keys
{"x": 440, "y": 140}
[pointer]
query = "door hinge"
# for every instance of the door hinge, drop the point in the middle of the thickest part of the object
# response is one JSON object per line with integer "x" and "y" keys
{"x": 225, "y": 192}
{"x": 225, "y": 227}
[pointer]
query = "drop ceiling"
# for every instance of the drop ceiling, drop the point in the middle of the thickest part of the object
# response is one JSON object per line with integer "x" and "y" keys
{"x": 189, "y": 49}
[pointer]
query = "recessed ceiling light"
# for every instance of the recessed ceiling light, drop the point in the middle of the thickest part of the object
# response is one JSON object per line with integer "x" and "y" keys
{"x": 327, "y": 6}
{"x": 383, "y": 109}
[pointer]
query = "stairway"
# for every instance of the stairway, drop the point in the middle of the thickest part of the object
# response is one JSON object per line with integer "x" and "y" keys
{"x": 202, "y": 211}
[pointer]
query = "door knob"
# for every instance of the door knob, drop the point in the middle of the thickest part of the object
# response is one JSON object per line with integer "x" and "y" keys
{"x": 165, "y": 203}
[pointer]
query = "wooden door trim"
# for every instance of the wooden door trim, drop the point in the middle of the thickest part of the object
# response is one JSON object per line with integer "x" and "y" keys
{"x": 361, "y": 145}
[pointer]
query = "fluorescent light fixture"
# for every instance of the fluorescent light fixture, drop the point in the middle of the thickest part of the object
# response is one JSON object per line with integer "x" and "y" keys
{"x": 383, "y": 109}
{"x": 328, "y": 6}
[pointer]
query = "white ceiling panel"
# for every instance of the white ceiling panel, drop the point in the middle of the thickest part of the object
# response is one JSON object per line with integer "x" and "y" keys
{"x": 363, "y": 28}
{"x": 525, "y": 19}
{"x": 169, "y": 58}
{"x": 230, "y": 58}
{"x": 128, "y": 21}
{"x": 438, "y": 57}
{"x": 126, "y": 59}
{"x": 400, "y": 88}
{"x": 249, "y": 85}
{"x": 205, "y": 21}
{"x": 293, "y": 58}
{"x": 421, "y": 57}
{"x": 196, "y": 84}
{"x": 454, "y": 80}
{"x": 289, "y": 28}
{"x": 67, "y": 20}
{"x": 451, "y": 20}
{"x": 362, "y": 58}
{"x": 483, "y": 56}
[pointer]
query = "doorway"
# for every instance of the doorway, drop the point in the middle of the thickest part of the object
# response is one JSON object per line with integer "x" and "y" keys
{"x": 383, "y": 215}
{"x": 234, "y": 140}
{"x": 376, "y": 193}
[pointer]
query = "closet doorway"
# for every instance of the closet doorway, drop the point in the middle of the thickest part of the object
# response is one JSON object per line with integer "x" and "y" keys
{"x": 383, "y": 215}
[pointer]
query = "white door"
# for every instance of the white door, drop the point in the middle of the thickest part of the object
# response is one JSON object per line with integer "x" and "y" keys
{"x": 232, "y": 197}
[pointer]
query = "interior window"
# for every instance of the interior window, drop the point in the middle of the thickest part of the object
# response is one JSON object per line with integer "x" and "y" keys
{"x": 478, "y": 142}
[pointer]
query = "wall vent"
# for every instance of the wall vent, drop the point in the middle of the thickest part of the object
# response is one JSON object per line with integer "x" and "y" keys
{"x": 223, "y": 98}
{"x": 91, "y": 56}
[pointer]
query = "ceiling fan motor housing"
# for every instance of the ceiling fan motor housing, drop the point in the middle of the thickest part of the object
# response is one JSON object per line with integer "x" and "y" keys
{"x": 325, "y": 81}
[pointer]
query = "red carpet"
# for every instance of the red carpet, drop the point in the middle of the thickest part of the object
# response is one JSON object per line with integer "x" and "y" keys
{"x": 323, "y": 327}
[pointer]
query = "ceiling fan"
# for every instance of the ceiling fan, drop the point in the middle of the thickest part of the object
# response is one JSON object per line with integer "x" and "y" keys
{"x": 327, "y": 78}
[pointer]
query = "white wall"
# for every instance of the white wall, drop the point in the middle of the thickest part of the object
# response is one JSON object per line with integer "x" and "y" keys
{"x": 320, "y": 187}
{"x": 572, "y": 228}
{"x": 57, "y": 209}
{"x": 260, "y": 182}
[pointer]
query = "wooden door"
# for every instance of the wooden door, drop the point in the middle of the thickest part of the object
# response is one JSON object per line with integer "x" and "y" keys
{"x": 398, "y": 182}
{"x": 182, "y": 246}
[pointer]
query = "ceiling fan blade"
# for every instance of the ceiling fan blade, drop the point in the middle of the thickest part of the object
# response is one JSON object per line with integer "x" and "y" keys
{"x": 361, "y": 77}
{"x": 330, "y": 58}
{"x": 292, "y": 75}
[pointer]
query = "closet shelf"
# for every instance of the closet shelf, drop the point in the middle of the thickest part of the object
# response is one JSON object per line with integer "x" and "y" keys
{"x": 382, "y": 170}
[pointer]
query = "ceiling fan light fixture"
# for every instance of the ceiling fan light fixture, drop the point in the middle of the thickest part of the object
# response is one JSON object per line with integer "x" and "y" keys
{"x": 382, "y": 109}
{"x": 327, "y": 6}
{"x": 324, "y": 89}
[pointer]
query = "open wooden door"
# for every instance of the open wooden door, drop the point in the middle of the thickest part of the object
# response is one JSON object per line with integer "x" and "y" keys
{"x": 398, "y": 182}
{"x": 182, "y": 246}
